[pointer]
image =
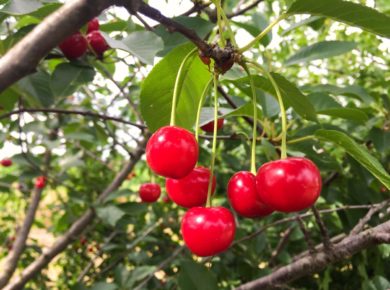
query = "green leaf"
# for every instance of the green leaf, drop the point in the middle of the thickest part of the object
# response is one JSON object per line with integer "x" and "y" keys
{"x": 352, "y": 114}
{"x": 358, "y": 152}
{"x": 36, "y": 87}
{"x": 67, "y": 77}
{"x": 157, "y": 90}
{"x": 103, "y": 286}
{"x": 257, "y": 23}
{"x": 110, "y": 214}
{"x": 301, "y": 23}
{"x": 142, "y": 44}
{"x": 291, "y": 95}
{"x": 194, "y": 276}
{"x": 20, "y": 7}
{"x": 320, "y": 50}
{"x": 173, "y": 40}
{"x": 244, "y": 110}
{"x": 138, "y": 274}
{"x": 344, "y": 11}
{"x": 8, "y": 99}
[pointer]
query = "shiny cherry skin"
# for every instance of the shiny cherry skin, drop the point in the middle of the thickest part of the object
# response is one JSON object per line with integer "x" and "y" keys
{"x": 209, "y": 127}
{"x": 6, "y": 162}
{"x": 93, "y": 25}
{"x": 40, "y": 182}
{"x": 192, "y": 189}
{"x": 74, "y": 46}
{"x": 149, "y": 192}
{"x": 290, "y": 184}
{"x": 97, "y": 43}
{"x": 208, "y": 231}
{"x": 172, "y": 152}
{"x": 243, "y": 196}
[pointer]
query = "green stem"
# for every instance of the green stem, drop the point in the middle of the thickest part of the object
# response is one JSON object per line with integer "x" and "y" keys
{"x": 227, "y": 24}
{"x": 254, "y": 129}
{"x": 214, "y": 146}
{"x": 263, "y": 33}
{"x": 281, "y": 105}
{"x": 301, "y": 139}
{"x": 178, "y": 86}
{"x": 217, "y": 4}
{"x": 201, "y": 101}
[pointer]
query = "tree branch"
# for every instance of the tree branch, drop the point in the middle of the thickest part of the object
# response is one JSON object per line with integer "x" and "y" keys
{"x": 23, "y": 58}
{"x": 76, "y": 229}
{"x": 11, "y": 261}
{"x": 72, "y": 112}
{"x": 314, "y": 263}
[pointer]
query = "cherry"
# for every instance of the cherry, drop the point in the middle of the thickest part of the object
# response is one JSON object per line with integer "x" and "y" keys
{"x": 190, "y": 190}
{"x": 243, "y": 196}
{"x": 209, "y": 127}
{"x": 40, "y": 182}
{"x": 97, "y": 43}
{"x": 208, "y": 231}
{"x": 166, "y": 199}
{"x": 149, "y": 192}
{"x": 93, "y": 25}
{"x": 290, "y": 184}
{"x": 74, "y": 46}
{"x": 172, "y": 152}
{"x": 6, "y": 162}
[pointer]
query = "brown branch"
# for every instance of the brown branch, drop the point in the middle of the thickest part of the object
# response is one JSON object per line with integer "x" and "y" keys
{"x": 11, "y": 261}
{"x": 323, "y": 230}
{"x": 363, "y": 221}
{"x": 312, "y": 264}
{"x": 281, "y": 245}
{"x": 72, "y": 112}
{"x": 76, "y": 229}
{"x": 306, "y": 234}
{"x": 171, "y": 25}
{"x": 243, "y": 10}
{"x": 23, "y": 58}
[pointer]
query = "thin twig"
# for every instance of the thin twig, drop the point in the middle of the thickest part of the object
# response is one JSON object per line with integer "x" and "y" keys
{"x": 323, "y": 230}
{"x": 306, "y": 234}
{"x": 281, "y": 244}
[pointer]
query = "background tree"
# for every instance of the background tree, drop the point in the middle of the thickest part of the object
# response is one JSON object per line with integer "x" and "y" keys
{"x": 74, "y": 130}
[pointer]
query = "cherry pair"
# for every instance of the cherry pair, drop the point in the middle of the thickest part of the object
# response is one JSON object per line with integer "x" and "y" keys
{"x": 76, "y": 45}
{"x": 285, "y": 185}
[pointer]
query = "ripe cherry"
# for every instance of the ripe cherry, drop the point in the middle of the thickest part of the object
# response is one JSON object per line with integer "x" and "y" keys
{"x": 40, "y": 182}
{"x": 97, "y": 43}
{"x": 192, "y": 189}
{"x": 74, "y": 46}
{"x": 290, "y": 184}
{"x": 172, "y": 152}
{"x": 6, "y": 162}
{"x": 149, "y": 192}
{"x": 209, "y": 127}
{"x": 93, "y": 25}
{"x": 208, "y": 231}
{"x": 243, "y": 196}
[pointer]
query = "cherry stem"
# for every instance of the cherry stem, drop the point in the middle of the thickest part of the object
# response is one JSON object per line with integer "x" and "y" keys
{"x": 263, "y": 33}
{"x": 178, "y": 85}
{"x": 281, "y": 105}
{"x": 227, "y": 24}
{"x": 201, "y": 101}
{"x": 254, "y": 129}
{"x": 217, "y": 4}
{"x": 214, "y": 146}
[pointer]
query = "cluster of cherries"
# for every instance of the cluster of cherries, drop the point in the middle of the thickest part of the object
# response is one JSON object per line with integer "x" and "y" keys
{"x": 285, "y": 185}
{"x": 77, "y": 44}
{"x": 40, "y": 181}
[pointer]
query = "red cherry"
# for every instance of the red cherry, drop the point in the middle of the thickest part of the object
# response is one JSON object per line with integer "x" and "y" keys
{"x": 208, "y": 231}
{"x": 40, "y": 182}
{"x": 209, "y": 127}
{"x": 172, "y": 152}
{"x": 290, "y": 184}
{"x": 190, "y": 190}
{"x": 6, "y": 162}
{"x": 149, "y": 192}
{"x": 93, "y": 25}
{"x": 74, "y": 46}
{"x": 166, "y": 199}
{"x": 97, "y": 42}
{"x": 243, "y": 196}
